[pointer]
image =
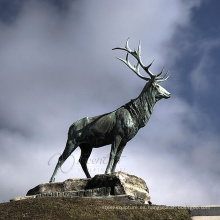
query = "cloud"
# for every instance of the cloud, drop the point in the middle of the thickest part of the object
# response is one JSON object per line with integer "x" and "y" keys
{"x": 201, "y": 77}
{"x": 57, "y": 66}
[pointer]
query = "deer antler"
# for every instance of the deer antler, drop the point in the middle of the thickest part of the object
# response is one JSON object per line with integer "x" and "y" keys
{"x": 137, "y": 55}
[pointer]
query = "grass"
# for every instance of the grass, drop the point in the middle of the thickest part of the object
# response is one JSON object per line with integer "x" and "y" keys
{"x": 78, "y": 208}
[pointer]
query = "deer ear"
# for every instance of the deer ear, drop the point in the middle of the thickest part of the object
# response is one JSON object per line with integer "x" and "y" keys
{"x": 154, "y": 84}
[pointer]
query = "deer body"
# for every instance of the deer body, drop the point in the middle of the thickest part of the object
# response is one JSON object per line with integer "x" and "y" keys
{"x": 125, "y": 121}
{"x": 115, "y": 128}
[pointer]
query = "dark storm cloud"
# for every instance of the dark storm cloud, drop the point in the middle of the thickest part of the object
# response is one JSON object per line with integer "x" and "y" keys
{"x": 9, "y": 10}
{"x": 61, "y": 5}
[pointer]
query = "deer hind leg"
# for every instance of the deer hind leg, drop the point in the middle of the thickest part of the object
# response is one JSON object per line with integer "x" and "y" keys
{"x": 70, "y": 147}
{"x": 113, "y": 152}
{"x": 85, "y": 153}
{"x": 117, "y": 156}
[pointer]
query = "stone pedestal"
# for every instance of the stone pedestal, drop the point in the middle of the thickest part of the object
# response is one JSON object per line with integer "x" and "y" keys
{"x": 119, "y": 186}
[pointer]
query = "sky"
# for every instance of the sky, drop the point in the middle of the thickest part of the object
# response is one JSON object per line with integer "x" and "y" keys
{"x": 57, "y": 66}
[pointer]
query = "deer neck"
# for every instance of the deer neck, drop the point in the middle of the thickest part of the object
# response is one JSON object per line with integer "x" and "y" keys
{"x": 142, "y": 106}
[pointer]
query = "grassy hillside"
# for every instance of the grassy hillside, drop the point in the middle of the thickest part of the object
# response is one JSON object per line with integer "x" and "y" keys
{"x": 78, "y": 208}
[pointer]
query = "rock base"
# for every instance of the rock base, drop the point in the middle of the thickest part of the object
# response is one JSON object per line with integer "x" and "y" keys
{"x": 119, "y": 186}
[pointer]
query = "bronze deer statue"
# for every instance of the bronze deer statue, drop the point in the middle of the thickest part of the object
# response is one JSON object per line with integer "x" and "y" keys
{"x": 116, "y": 127}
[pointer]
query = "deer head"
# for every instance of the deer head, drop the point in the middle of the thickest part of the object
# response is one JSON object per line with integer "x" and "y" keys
{"x": 157, "y": 91}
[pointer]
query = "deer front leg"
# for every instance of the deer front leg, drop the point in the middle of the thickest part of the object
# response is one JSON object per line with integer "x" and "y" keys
{"x": 113, "y": 152}
{"x": 117, "y": 157}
